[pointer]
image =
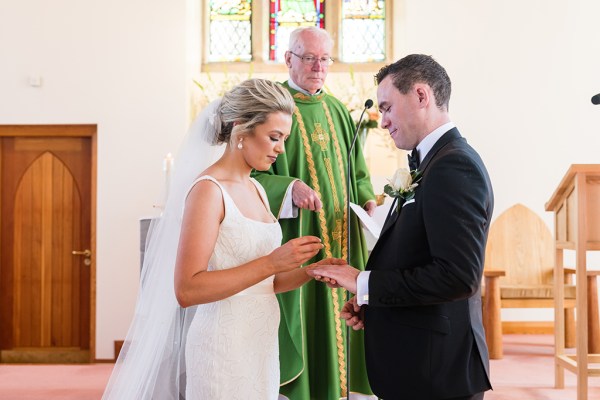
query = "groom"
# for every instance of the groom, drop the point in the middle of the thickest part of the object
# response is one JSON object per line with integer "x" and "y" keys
{"x": 419, "y": 300}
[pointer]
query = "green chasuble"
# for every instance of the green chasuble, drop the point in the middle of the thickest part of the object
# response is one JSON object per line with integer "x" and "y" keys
{"x": 312, "y": 334}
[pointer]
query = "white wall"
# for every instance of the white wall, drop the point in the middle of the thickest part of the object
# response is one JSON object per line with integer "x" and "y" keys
{"x": 121, "y": 65}
{"x": 523, "y": 73}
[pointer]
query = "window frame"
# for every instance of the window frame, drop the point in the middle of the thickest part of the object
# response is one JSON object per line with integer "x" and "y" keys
{"x": 260, "y": 41}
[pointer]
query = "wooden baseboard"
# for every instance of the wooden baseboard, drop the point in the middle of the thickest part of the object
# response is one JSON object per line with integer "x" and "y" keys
{"x": 45, "y": 355}
{"x": 104, "y": 361}
{"x": 118, "y": 347}
{"x": 528, "y": 327}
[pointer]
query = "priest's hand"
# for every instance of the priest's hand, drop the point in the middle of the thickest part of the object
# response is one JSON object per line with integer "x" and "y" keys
{"x": 353, "y": 314}
{"x": 304, "y": 197}
{"x": 341, "y": 275}
{"x": 370, "y": 207}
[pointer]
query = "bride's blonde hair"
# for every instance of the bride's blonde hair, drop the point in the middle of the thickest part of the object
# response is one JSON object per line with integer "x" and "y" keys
{"x": 249, "y": 104}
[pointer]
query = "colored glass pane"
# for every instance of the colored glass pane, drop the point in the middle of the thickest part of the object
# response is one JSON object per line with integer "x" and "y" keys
{"x": 363, "y": 31}
{"x": 287, "y": 15}
{"x": 230, "y": 31}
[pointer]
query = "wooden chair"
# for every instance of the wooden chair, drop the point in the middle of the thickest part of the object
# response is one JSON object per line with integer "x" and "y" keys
{"x": 518, "y": 273}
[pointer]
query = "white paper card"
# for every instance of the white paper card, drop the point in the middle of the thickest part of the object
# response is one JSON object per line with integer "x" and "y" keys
{"x": 372, "y": 226}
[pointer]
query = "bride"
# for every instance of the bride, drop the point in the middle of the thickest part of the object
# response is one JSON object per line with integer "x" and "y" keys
{"x": 206, "y": 319}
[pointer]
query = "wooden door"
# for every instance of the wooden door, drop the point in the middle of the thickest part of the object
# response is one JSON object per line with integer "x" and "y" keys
{"x": 46, "y": 212}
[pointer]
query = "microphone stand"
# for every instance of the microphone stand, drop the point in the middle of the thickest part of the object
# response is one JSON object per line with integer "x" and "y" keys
{"x": 368, "y": 104}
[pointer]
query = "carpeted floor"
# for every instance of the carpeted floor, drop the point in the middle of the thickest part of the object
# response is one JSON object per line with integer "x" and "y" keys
{"x": 53, "y": 382}
{"x": 525, "y": 373}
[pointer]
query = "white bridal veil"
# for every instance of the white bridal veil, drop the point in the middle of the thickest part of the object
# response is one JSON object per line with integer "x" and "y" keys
{"x": 151, "y": 364}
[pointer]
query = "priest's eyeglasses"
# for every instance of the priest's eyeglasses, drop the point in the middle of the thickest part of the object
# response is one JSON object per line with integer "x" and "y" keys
{"x": 325, "y": 61}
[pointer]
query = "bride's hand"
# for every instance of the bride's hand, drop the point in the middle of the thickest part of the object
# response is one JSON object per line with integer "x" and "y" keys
{"x": 294, "y": 253}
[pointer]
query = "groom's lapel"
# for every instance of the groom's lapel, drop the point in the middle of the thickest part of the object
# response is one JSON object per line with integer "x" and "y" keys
{"x": 392, "y": 215}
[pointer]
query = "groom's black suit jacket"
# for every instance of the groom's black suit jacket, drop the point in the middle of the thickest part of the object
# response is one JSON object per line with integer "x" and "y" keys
{"x": 423, "y": 329}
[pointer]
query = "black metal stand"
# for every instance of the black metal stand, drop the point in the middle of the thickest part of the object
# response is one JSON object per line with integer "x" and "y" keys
{"x": 368, "y": 104}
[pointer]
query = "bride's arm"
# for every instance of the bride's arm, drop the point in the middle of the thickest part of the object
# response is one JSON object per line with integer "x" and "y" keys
{"x": 203, "y": 214}
{"x": 204, "y": 211}
{"x": 286, "y": 281}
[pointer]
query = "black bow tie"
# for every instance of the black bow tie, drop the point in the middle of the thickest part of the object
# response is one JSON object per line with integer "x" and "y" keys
{"x": 413, "y": 160}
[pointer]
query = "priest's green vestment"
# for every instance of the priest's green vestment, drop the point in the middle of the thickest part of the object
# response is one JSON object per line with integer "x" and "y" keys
{"x": 312, "y": 334}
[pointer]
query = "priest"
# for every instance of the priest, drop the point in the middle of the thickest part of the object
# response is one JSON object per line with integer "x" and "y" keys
{"x": 307, "y": 191}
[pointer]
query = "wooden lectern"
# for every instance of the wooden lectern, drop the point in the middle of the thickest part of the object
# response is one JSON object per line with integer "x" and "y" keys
{"x": 576, "y": 207}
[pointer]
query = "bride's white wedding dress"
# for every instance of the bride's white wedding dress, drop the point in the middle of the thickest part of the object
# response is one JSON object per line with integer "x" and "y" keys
{"x": 232, "y": 344}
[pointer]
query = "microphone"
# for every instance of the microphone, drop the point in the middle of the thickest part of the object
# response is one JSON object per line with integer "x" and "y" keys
{"x": 368, "y": 104}
{"x": 596, "y": 99}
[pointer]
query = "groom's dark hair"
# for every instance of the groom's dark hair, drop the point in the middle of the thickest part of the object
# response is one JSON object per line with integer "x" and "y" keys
{"x": 419, "y": 68}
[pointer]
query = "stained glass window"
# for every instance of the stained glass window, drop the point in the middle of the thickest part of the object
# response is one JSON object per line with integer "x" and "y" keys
{"x": 359, "y": 27}
{"x": 287, "y": 15}
{"x": 363, "y": 31}
{"x": 230, "y": 32}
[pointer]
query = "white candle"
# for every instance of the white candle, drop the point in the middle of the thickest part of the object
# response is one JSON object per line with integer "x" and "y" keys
{"x": 168, "y": 163}
{"x": 167, "y": 167}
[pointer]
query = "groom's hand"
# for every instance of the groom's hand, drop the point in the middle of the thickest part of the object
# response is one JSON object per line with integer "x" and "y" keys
{"x": 326, "y": 261}
{"x": 353, "y": 314}
{"x": 341, "y": 274}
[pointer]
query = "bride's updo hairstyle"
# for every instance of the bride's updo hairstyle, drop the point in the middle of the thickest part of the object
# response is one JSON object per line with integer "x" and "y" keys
{"x": 248, "y": 105}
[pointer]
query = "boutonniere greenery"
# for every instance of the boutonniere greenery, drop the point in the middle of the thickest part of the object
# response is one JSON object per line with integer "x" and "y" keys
{"x": 403, "y": 184}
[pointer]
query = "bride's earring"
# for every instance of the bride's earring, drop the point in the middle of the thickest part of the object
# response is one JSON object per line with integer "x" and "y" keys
{"x": 240, "y": 145}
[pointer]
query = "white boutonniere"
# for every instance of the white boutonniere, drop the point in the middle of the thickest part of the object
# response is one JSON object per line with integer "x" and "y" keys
{"x": 403, "y": 184}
